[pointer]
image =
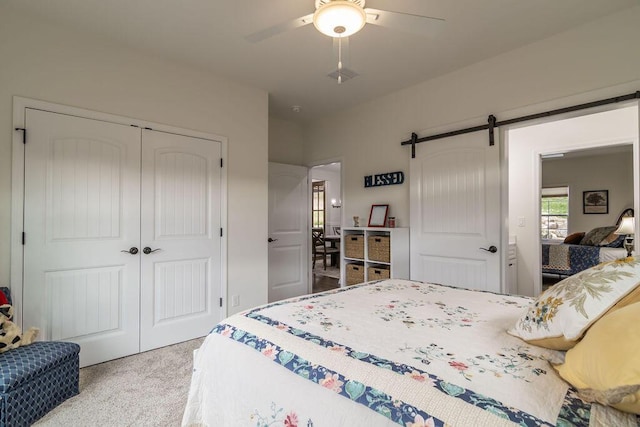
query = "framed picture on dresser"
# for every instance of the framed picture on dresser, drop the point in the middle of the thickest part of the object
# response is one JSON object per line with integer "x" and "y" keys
{"x": 378, "y": 215}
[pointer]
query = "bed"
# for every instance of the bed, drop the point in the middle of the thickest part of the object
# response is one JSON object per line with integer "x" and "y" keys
{"x": 392, "y": 352}
{"x": 568, "y": 259}
{"x": 580, "y": 251}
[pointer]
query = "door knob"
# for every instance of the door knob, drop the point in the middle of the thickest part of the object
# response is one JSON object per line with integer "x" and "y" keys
{"x": 491, "y": 249}
{"x": 132, "y": 250}
{"x": 271, "y": 240}
{"x": 147, "y": 250}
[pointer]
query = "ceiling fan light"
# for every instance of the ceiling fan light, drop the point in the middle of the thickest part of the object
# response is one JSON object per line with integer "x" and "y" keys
{"x": 339, "y": 18}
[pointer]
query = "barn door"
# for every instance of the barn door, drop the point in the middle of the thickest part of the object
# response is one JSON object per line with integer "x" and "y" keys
{"x": 180, "y": 240}
{"x": 455, "y": 212}
{"x": 82, "y": 233}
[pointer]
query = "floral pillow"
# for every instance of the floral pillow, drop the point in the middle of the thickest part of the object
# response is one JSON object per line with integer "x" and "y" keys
{"x": 561, "y": 315}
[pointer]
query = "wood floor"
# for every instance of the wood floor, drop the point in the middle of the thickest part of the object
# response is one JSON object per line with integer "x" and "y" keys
{"x": 324, "y": 283}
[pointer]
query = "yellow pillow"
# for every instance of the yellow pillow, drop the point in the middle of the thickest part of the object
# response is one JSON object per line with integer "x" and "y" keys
{"x": 605, "y": 365}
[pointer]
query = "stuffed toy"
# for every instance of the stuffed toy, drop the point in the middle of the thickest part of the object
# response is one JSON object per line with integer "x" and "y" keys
{"x": 3, "y": 299}
{"x": 10, "y": 333}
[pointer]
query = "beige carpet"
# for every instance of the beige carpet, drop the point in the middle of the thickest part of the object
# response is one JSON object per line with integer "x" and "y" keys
{"x": 147, "y": 389}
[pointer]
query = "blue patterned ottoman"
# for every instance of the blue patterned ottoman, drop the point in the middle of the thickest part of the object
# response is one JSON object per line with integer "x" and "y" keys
{"x": 35, "y": 379}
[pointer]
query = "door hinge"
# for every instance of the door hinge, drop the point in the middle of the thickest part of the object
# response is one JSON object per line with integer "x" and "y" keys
{"x": 24, "y": 134}
{"x": 24, "y": 237}
{"x": 220, "y": 231}
{"x": 220, "y": 301}
{"x": 221, "y": 162}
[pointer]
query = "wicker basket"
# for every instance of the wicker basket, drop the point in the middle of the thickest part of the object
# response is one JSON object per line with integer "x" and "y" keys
{"x": 354, "y": 246}
{"x": 379, "y": 248}
{"x": 354, "y": 273}
{"x": 378, "y": 273}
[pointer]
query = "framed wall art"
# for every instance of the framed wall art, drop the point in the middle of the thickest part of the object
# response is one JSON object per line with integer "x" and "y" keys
{"x": 595, "y": 202}
{"x": 378, "y": 215}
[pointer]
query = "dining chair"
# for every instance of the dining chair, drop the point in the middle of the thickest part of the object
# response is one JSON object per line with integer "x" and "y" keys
{"x": 320, "y": 249}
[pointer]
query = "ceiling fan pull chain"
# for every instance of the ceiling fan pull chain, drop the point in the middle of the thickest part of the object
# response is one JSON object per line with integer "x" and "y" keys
{"x": 340, "y": 60}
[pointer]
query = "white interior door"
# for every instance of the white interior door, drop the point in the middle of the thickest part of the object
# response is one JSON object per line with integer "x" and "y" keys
{"x": 289, "y": 233}
{"x": 82, "y": 210}
{"x": 181, "y": 274}
{"x": 455, "y": 211}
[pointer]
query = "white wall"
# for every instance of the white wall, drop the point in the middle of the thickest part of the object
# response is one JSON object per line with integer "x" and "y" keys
{"x": 525, "y": 146}
{"x": 285, "y": 142}
{"x": 612, "y": 172}
{"x": 594, "y": 61}
{"x": 51, "y": 63}
{"x": 45, "y": 62}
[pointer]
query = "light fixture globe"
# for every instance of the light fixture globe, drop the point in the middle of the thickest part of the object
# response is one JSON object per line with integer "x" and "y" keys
{"x": 339, "y": 18}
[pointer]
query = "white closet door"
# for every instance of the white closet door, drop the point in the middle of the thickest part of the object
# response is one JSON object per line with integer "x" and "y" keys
{"x": 181, "y": 178}
{"x": 82, "y": 207}
{"x": 455, "y": 212}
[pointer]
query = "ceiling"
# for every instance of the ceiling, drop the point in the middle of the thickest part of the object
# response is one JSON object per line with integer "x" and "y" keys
{"x": 293, "y": 66}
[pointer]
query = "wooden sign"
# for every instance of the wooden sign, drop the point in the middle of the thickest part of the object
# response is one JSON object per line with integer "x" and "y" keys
{"x": 389, "y": 178}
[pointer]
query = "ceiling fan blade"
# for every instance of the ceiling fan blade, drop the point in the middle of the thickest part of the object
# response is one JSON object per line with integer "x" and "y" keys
{"x": 406, "y": 22}
{"x": 279, "y": 29}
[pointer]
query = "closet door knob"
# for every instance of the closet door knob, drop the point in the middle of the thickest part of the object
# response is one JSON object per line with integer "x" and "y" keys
{"x": 147, "y": 250}
{"x": 491, "y": 249}
{"x": 132, "y": 251}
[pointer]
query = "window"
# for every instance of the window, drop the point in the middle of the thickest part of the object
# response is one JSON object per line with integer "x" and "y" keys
{"x": 554, "y": 212}
{"x": 318, "y": 204}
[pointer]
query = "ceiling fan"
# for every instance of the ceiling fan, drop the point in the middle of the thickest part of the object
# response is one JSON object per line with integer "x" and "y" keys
{"x": 342, "y": 18}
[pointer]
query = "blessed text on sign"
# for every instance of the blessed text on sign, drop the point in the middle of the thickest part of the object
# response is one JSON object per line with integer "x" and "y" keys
{"x": 389, "y": 178}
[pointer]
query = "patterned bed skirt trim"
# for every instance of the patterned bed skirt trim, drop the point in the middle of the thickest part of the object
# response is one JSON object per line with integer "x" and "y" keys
{"x": 378, "y": 401}
{"x": 574, "y": 411}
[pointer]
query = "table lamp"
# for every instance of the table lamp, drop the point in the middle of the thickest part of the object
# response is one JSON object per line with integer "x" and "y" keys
{"x": 627, "y": 227}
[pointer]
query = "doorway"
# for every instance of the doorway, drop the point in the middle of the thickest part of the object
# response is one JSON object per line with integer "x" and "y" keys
{"x": 605, "y": 172}
{"x": 326, "y": 219}
{"x": 594, "y": 141}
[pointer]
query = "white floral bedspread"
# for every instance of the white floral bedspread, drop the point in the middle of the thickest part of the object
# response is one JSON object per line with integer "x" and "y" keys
{"x": 394, "y": 352}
